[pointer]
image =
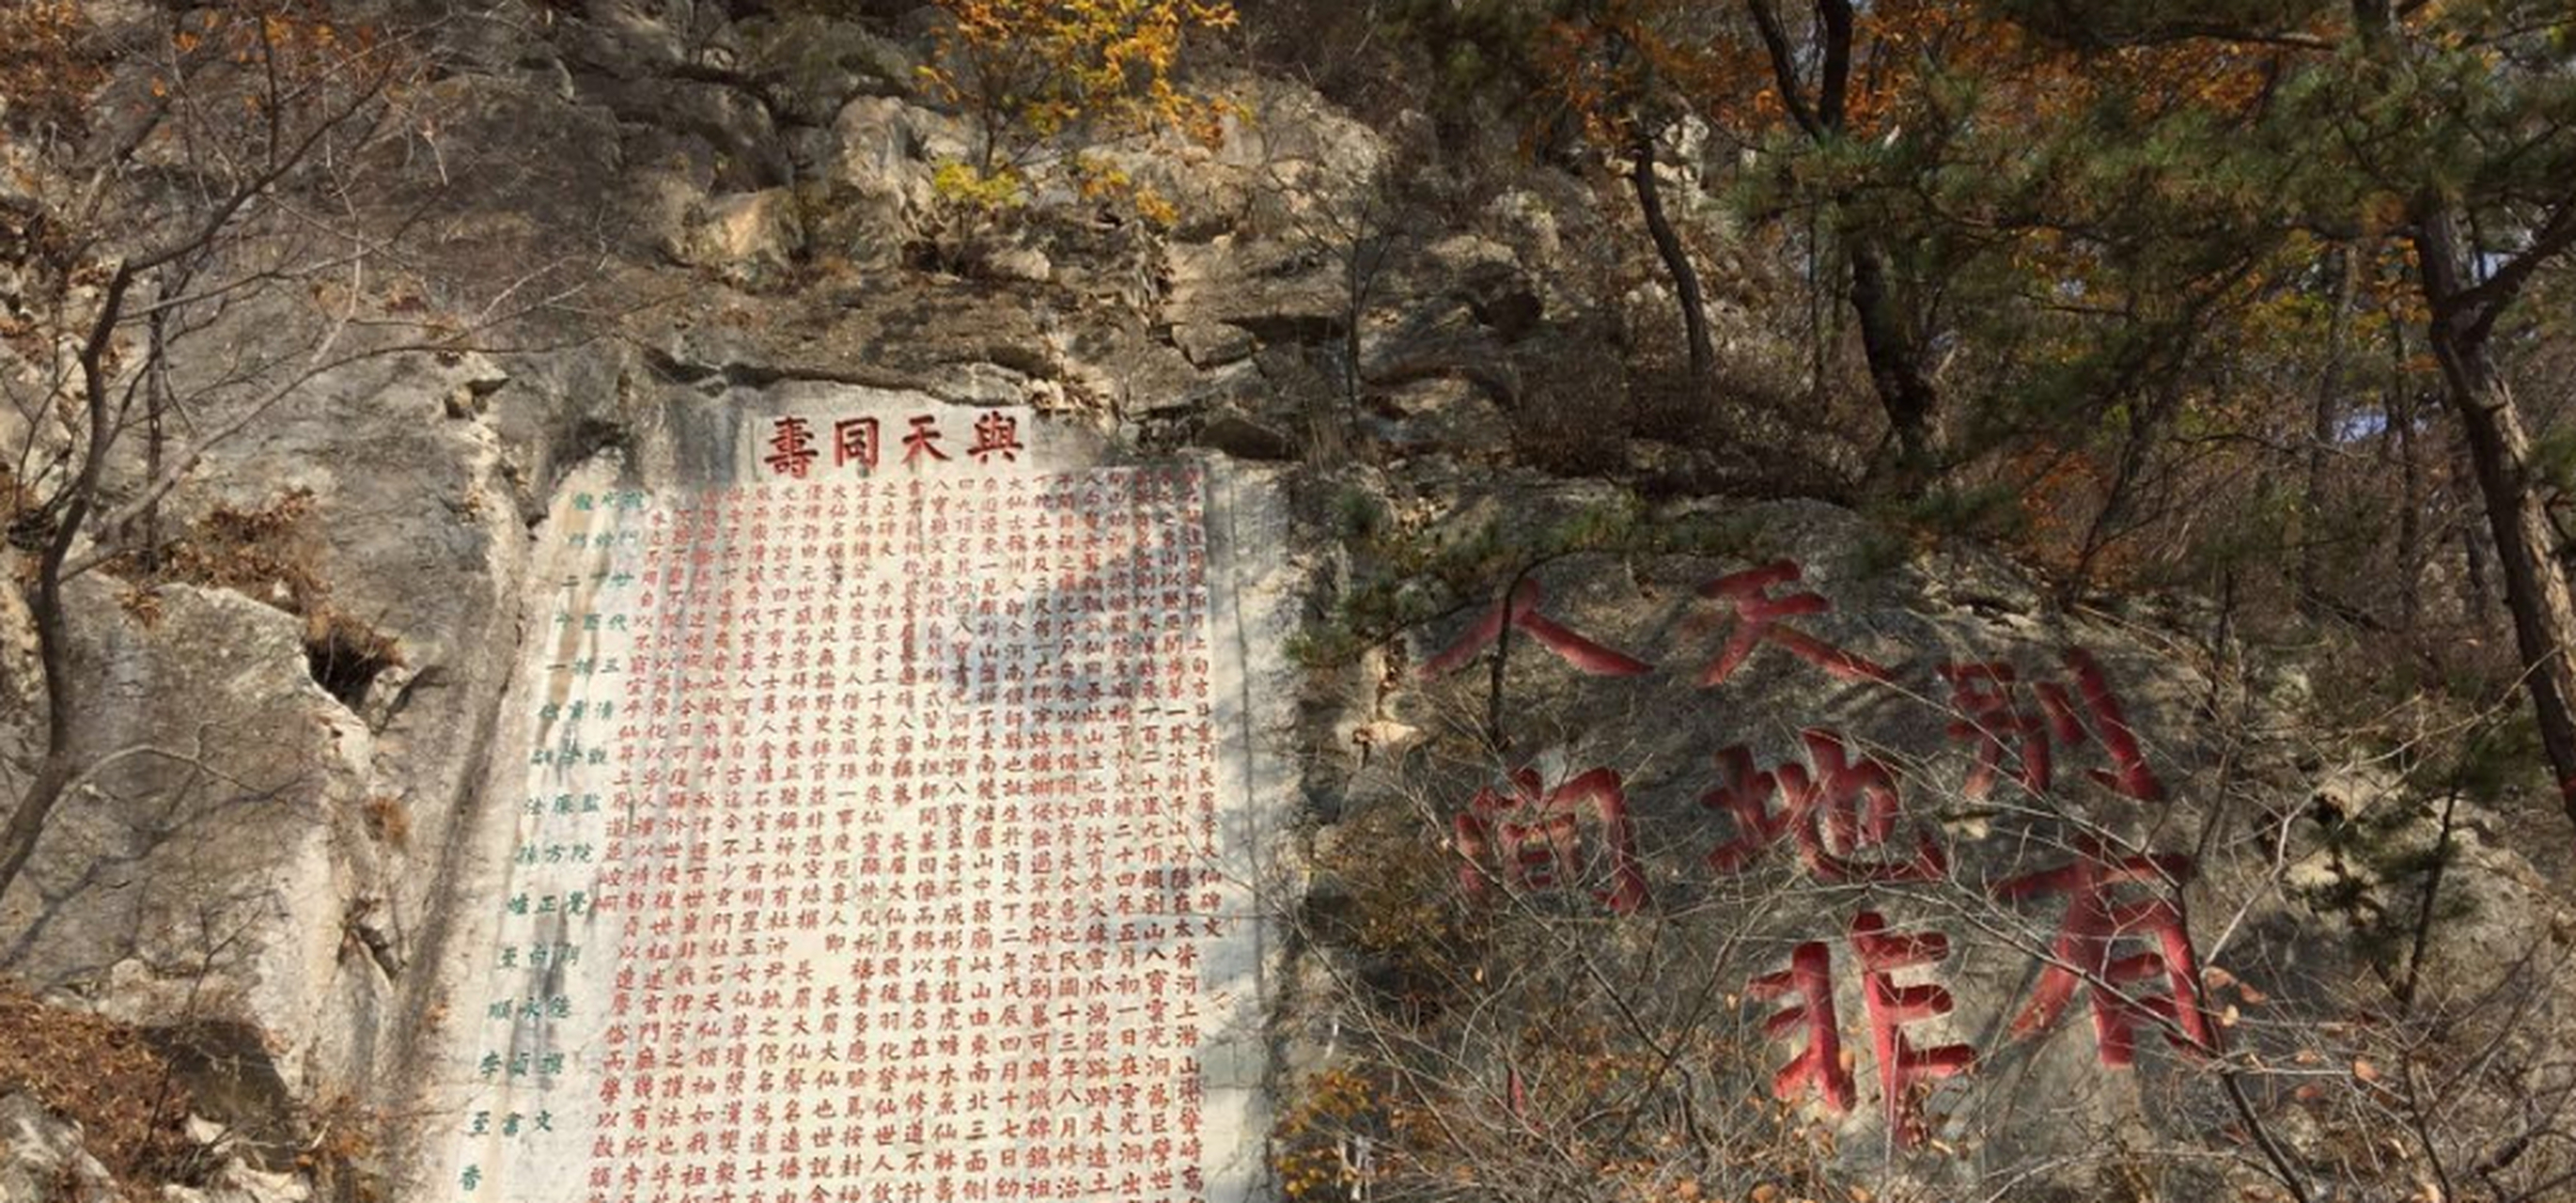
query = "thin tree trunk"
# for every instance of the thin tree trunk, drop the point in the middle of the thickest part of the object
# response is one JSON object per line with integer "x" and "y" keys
{"x": 1888, "y": 342}
{"x": 2535, "y": 590}
{"x": 2411, "y": 501}
{"x": 1895, "y": 359}
{"x": 2535, "y": 587}
{"x": 55, "y": 772}
{"x": 156, "y": 393}
{"x": 18, "y": 840}
{"x": 2147, "y": 423}
{"x": 1676, "y": 257}
{"x": 2473, "y": 565}
{"x": 2410, "y": 519}
{"x": 2321, "y": 435}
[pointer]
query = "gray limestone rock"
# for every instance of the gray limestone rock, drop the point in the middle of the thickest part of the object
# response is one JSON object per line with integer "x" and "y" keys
{"x": 1212, "y": 344}
{"x": 821, "y": 64}
{"x": 1025, "y": 264}
{"x": 42, "y": 1159}
{"x": 303, "y": 874}
{"x": 1276, "y": 291}
{"x": 752, "y": 239}
{"x": 1239, "y": 435}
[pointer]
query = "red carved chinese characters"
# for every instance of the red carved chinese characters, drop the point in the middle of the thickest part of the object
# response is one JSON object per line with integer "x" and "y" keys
{"x": 1808, "y": 984}
{"x": 921, "y": 440}
{"x": 996, "y": 434}
{"x": 2129, "y": 773}
{"x": 2087, "y": 937}
{"x": 854, "y": 441}
{"x": 1983, "y": 696}
{"x": 1821, "y": 1065}
{"x": 1521, "y": 612}
{"x": 908, "y": 867}
{"x": 1991, "y": 716}
{"x": 1541, "y": 843}
{"x": 1901, "y": 1066}
{"x": 791, "y": 447}
{"x": 1840, "y": 809}
{"x": 1758, "y": 617}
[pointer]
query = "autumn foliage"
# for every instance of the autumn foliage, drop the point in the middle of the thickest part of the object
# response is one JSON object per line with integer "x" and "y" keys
{"x": 1029, "y": 72}
{"x": 102, "y": 1075}
{"x": 47, "y": 67}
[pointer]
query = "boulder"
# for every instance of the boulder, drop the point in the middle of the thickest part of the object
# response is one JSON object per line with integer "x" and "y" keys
{"x": 876, "y": 177}
{"x": 731, "y": 118}
{"x": 821, "y": 63}
{"x": 42, "y": 1159}
{"x": 206, "y": 882}
{"x": 1026, "y": 264}
{"x": 1275, "y": 291}
{"x": 1212, "y": 344}
{"x": 1240, "y": 435}
{"x": 752, "y": 239}
{"x": 888, "y": 147}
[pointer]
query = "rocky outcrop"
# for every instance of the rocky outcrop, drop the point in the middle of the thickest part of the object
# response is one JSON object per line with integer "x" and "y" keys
{"x": 41, "y": 1157}
{"x": 290, "y": 858}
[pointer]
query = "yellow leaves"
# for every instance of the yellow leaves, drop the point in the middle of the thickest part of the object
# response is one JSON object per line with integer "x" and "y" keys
{"x": 1155, "y": 208}
{"x": 142, "y": 603}
{"x": 1036, "y": 70}
{"x": 959, "y": 183}
{"x": 1310, "y": 1134}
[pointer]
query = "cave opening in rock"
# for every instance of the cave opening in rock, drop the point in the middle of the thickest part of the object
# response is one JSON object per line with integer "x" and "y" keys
{"x": 346, "y": 656}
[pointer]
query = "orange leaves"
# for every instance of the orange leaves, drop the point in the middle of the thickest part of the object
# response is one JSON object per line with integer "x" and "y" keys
{"x": 1041, "y": 68}
{"x": 47, "y": 71}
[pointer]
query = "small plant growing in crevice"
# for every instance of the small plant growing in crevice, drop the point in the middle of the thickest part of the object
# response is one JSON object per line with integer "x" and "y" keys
{"x": 270, "y": 554}
{"x": 970, "y": 210}
{"x": 267, "y": 553}
{"x": 346, "y": 656}
{"x": 341, "y": 1151}
{"x": 388, "y": 820}
{"x": 1398, "y": 912}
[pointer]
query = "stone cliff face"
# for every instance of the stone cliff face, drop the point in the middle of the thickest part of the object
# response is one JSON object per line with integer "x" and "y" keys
{"x": 1396, "y": 344}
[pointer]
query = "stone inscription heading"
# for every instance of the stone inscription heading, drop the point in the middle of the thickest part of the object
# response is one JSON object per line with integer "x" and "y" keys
{"x": 869, "y": 852}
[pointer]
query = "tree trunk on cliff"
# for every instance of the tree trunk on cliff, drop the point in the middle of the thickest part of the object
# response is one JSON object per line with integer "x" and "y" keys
{"x": 1676, "y": 257}
{"x": 268, "y": 156}
{"x": 1895, "y": 358}
{"x": 52, "y": 779}
{"x": 2499, "y": 450}
{"x": 1887, "y": 335}
{"x": 2535, "y": 590}
{"x": 55, "y": 773}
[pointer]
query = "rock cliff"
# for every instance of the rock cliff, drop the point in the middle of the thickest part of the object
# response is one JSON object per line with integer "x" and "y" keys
{"x": 1427, "y": 360}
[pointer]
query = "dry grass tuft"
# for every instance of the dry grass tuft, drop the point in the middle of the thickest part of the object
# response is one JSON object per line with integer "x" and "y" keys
{"x": 106, "y": 1077}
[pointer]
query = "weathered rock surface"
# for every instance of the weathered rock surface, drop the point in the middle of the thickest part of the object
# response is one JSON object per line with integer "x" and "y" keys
{"x": 41, "y": 1157}
{"x": 290, "y": 866}
{"x": 751, "y": 239}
